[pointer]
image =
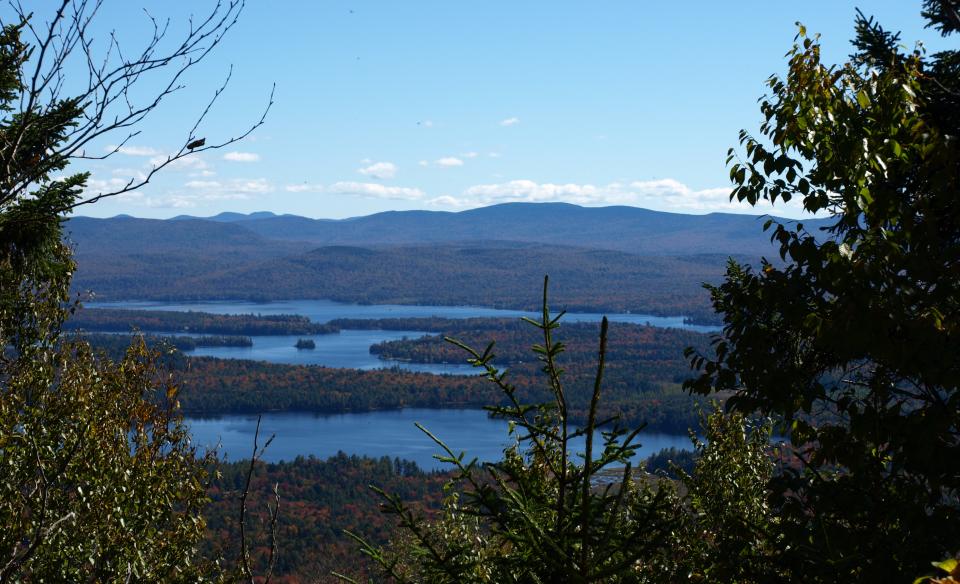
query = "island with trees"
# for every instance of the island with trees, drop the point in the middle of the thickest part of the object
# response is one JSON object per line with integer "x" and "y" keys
{"x": 307, "y": 344}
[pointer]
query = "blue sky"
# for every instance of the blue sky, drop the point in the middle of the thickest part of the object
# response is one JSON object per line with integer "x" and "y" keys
{"x": 393, "y": 105}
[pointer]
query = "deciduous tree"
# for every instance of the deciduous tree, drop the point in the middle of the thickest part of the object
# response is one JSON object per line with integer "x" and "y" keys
{"x": 853, "y": 339}
{"x": 98, "y": 480}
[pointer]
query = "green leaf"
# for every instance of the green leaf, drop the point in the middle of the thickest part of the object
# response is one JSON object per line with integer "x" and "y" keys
{"x": 948, "y": 565}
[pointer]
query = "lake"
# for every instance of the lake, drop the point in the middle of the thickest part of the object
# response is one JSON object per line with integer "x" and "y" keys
{"x": 348, "y": 349}
{"x": 326, "y": 310}
{"x": 383, "y": 433}
{"x": 351, "y": 348}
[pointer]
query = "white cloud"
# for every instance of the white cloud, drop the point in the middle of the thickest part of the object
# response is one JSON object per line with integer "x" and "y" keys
{"x": 256, "y": 185}
{"x": 380, "y": 170}
{"x": 193, "y": 163}
{"x": 449, "y": 162}
{"x": 510, "y": 122}
{"x": 423, "y": 163}
{"x": 214, "y": 190}
{"x": 447, "y": 201}
{"x": 493, "y": 154}
{"x": 175, "y": 201}
{"x": 530, "y": 191}
{"x": 470, "y": 154}
{"x": 187, "y": 201}
{"x": 203, "y": 184}
{"x": 242, "y": 157}
{"x": 304, "y": 188}
{"x": 197, "y": 192}
{"x": 675, "y": 195}
{"x": 375, "y": 190}
{"x": 663, "y": 194}
{"x": 96, "y": 186}
{"x": 192, "y": 193}
{"x": 133, "y": 150}
{"x": 134, "y": 173}
{"x": 427, "y": 123}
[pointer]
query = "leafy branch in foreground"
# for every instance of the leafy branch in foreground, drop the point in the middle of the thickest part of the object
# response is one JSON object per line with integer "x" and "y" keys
{"x": 98, "y": 479}
{"x": 732, "y": 536}
{"x": 544, "y": 512}
{"x": 853, "y": 339}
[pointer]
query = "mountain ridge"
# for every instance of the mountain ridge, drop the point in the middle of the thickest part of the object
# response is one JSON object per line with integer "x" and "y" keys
{"x": 622, "y": 228}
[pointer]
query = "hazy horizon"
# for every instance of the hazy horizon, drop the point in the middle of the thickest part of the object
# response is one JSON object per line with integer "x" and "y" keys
{"x": 746, "y": 210}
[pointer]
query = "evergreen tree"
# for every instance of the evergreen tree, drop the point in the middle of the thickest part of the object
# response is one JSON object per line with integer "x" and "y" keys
{"x": 545, "y": 513}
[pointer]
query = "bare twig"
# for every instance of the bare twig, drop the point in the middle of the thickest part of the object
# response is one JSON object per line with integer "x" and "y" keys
{"x": 244, "y": 550}
{"x": 274, "y": 514}
{"x": 244, "y": 560}
{"x": 106, "y": 105}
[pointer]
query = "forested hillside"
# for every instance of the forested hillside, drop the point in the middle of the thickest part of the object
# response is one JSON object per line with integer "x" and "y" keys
{"x": 319, "y": 499}
{"x": 491, "y": 274}
{"x": 628, "y": 229}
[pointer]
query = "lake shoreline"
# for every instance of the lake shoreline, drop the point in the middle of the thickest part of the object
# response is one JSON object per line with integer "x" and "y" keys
{"x": 526, "y": 309}
{"x": 325, "y": 310}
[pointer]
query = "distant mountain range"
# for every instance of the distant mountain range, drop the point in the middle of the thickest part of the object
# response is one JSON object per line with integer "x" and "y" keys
{"x": 628, "y": 229}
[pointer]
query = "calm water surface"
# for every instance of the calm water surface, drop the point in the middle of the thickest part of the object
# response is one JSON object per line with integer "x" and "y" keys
{"x": 348, "y": 349}
{"x": 351, "y": 348}
{"x": 376, "y": 434}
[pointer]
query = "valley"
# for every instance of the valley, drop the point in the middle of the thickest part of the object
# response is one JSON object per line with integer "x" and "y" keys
{"x": 375, "y": 297}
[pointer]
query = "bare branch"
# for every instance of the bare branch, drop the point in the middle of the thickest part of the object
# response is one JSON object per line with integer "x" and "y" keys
{"x": 106, "y": 105}
{"x": 244, "y": 560}
{"x": 134, "y": 184}
{"x": 274, "y": 514}
{"x": 244, "y": 550}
